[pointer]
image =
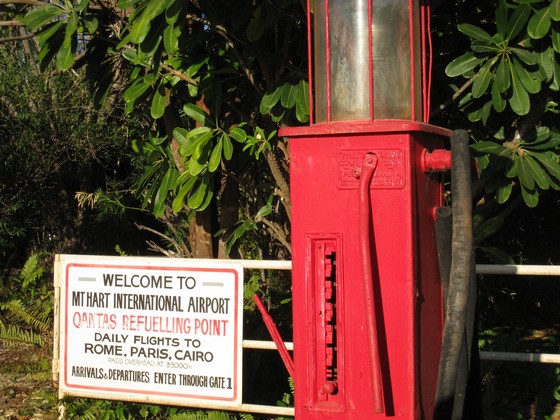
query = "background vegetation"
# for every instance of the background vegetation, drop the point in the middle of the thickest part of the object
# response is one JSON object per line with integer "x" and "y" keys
{"x": 150, "y": 126}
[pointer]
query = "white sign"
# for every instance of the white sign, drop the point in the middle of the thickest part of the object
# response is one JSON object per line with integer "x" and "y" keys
{"x": 151, "y": 329}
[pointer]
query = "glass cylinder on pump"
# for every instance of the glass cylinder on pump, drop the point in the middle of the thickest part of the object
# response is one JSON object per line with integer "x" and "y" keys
{"x": 367, "y": 60}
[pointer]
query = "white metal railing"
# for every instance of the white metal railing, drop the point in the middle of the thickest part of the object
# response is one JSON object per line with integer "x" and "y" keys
{"x": 519, "y": 270}
{"x": 494, "y": 269}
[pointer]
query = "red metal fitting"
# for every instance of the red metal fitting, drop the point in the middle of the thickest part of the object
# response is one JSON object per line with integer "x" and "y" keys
{"x": 438, "y": 160}
{"x": 330, "y": 387}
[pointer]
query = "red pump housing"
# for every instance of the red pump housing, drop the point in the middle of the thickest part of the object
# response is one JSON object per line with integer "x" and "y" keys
{"x": 365, "y": 184}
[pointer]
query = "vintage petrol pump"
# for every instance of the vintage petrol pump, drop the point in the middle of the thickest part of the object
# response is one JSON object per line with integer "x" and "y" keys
{"x": 366, "y": 184}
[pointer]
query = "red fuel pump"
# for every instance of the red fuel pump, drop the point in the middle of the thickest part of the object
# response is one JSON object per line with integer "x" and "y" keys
{"x": 365, "y": 177}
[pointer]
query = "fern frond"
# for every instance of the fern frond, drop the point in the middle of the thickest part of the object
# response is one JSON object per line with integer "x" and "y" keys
{"x": 32, "y": 317}
{"x": 13, "y": 336}
{"x": 31, "y": 271}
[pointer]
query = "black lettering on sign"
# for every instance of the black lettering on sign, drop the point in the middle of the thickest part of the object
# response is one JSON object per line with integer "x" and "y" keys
{"x": 148, "y": 352}
{"x": 105, "y": 349}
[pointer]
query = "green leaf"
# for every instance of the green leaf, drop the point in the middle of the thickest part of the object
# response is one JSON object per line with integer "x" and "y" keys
{"x": 525, "y": 174}
{"x": 197, "y": 114}
{"x": 555, "y": 10}
{"x": 137, "y": 89}
{"x": 228, "y": 147}
{"x": 530, "y": 80}
{"x": 504, "y": 192}
{"x": 530, "y": 197}
{"x": 255, "y": 29}
{"x": 91, "y": 23}
{"x": 502, "y": 75}
{"x": 463, "y": 64}
{"x": 496, "y": 255}
{"x": 48, "y": 32}
{"x": 163, "y": 192}
{"x": 269, "y": 100}
{"x": 546, "y": 62}
{"x": 215, "y": 156}
{"x": 65, "y": 56}
{"x": 179, "y": 199}
{"x": 302, "y": 102}
{"x": 555, "y": 37}
{"x": 71, "y": 28}
{"x": 484, "y": 47}
{"x": 170, "y": 40}
{"x": 180, "y": 134}
{"x": 539, "y": 175}
{"x": 519, "y": 99}
{"x": 125, "y": 4}
{"x": 549, "y": 163}
{"x": 528, "y": 57}
{"x": 140, "y": 29}
{"x": 475, "y": 32}
{"x": 158, "y": 102}
{"x": 289, "y": 95}
{"x": 501, "y": 18}
{"x": 199, "y": 192}
{"x": 483, "y": 78}
{"x": 196, "y": 166}
{"x": 539, "y": 25}
{"x": 238, "y": 134}
{"x": 196, "y": 139}
{"x": 487, "y": 147}
{"x": 486, "y": 109}
{"x": 173, "y": 11}
{"x": 41, "y": 16}
{"x": 498, "y": 100}
{"x": 517, "y": 21}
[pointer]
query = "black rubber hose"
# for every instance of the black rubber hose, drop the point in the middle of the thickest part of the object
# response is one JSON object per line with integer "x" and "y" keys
{"x": 443, "y": 228}
{"x": 460, "y": 276}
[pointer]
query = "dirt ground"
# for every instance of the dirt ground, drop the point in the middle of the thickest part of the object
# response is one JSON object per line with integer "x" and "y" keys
{"x": 23, "y": 394}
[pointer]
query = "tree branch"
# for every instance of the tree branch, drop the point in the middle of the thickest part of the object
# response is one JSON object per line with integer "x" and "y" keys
{"x": 17, "y": 38}
{"x": 25, "y": 2}
{"x": 456, "y": 96}
{"x": 10, "y": 23}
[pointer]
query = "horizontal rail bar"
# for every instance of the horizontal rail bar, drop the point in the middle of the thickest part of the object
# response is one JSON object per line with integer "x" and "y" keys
{"x": 263, "y": 264}
{"x": 520, "y": 357}
{"x": 264, "y": 409}
{"x": 264, "y": 345}
{"x": 498, "y": 269}
{"x": 530, "y": 270}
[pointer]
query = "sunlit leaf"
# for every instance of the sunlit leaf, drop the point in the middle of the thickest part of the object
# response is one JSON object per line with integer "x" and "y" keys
{"x": 474, "y": 32}
{"x": 539, "y": 25}
{"x": 518, "y": 20}
{"x": 238, "y": 134}
{"x": 482, "y": 79}
{"x": 269, "y": 100}
{"x": 41, "y": 16}
{"x": 519, "y": 99}
{"x": 215, "y": 156}
{"x": 197, "y": 114}
{"x": 463, "y": 64}
{"x": 289, "y": 95}
{"x": 158, "y": 102}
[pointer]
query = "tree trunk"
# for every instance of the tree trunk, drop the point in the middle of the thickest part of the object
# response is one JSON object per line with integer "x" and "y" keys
{"x": 201, "y": 227}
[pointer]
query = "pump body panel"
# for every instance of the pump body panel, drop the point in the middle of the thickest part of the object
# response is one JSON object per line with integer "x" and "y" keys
{"x": 332, "y": 363}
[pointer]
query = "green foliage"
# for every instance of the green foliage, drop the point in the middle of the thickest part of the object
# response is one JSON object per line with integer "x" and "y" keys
{"x": 514, "y": 66}
{"x": 216, "y": 81}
